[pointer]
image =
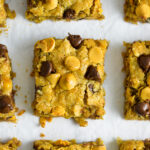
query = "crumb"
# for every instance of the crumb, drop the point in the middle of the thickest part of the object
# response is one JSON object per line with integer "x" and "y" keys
{"x": 21, "y": 112}
{"x": 13, "y": 74}
{"x": 42, "y": 135}
{"x": 32, "y": 74}
{"x": 17, "y": 109}
{"x": 17, "y": 87}
{"x": 27, "y": 70}
{"x": 42, "y": 121}
{"x": 49, "y": 119}
{"x": 25, "y": 101}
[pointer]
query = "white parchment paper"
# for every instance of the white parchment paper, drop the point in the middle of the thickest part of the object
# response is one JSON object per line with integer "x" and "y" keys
{"x": 20, "y": 41}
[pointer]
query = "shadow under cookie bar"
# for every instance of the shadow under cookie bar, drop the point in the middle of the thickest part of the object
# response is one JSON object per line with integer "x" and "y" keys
{"x": 12, "y": 144}
{"x": 137, "y": 10}
{"x": 40, "y": 10}
{"x": 69, "y": 74}
{"x": 67, "y": 145}
{"x": 137, "y": 82}
{"x": 5, "y": 13}
{"x": 134, "y": 144}
{"x": 7, "y": 104}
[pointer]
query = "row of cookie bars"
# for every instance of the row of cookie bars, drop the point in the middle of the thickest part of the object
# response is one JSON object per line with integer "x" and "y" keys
{"x": 70, "y": 145}
{"x": 69, "y": 74}
{"x": 39, "y": 10}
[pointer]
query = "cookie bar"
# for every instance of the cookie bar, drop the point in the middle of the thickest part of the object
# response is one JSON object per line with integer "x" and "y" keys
{"x": 67, "y": 145}
{"x": 137, "y": 83}
{"x": 10, "y": 145}
{"x": 137, "y": 10}
{"x": 134, "y": 145}
{"x": 5, "y": 12}
{"x": 39, "y": 10}
{"x": 69, "y": 74}
{"x": 7, "y": 104}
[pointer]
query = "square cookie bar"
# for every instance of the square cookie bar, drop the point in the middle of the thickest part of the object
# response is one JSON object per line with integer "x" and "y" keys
{"x": 10, "y": 145}
{"x": 137, "y": 83}
{"x": 39, "y": 10}
{"x": 137, "y": 10}
{"x": 69, "y": 74}
{"x": 68, "y": 145}
{"x": 5, "y": 12}
{"x": 134, "y": 145}
{"x": 7, "y": 104}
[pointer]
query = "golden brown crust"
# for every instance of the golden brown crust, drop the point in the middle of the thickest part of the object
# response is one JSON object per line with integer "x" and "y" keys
{"x": 66, "y": 145}
{"x": 58, "y": 10}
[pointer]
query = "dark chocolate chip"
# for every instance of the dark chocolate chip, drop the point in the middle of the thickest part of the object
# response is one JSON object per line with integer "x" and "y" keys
{"x": 92, "y": 74}
{"x": 3, "y": 51}
{"x": 69, "y": 14}
{"x": 144, "y": 62}
{"x": 142, "y": 108}
{"x": 91, "y": 87}
{"x": 75, "y": 40}
{"x": 47, "y": 68}
{"x": 6, "y": 104}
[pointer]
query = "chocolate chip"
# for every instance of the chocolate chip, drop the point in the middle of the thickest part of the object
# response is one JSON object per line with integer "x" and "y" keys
{"x": 3, "y": 50}
{"x": 144, "y": 62}
{"x": 92, "y": 74}
{"x": 75, "y": 40}
{"x": 142, "y": 108}
{"x": 91, "y": 87}
{"x": 69, "y": 14}
{"x": 47, "y": 68}
{"x": 147, "y": 144}
{"x": 6, "y": 104}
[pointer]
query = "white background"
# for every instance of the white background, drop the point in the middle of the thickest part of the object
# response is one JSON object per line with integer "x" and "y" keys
{"x": 20, "y": 41}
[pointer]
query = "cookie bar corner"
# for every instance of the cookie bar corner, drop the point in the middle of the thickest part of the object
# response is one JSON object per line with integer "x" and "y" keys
{"x": 134, "y": 144}
{"x": 137, "y": 11}
{"x": 12, "y": 144}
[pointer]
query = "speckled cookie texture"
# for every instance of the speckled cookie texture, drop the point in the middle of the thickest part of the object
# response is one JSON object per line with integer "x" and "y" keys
{"x": 137, "y": 83}
{"x": 7, "y": 104}
{"x": 39, "y": 10}
{"x": 137, "y": 10}
{"x": 134, "y": 144}
{"x": 5, "y": 12}
{"x": 68, "y": 145}
{"x": 10, "y": 145}
{"x": 69, "y": 74}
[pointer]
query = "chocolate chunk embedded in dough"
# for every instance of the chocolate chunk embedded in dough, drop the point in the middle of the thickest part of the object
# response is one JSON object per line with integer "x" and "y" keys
{"x": 92, "y": 74}
{"x": 6, "y": 104}
{"x": 47, "y": 68}
{"x": 144, "y": 62}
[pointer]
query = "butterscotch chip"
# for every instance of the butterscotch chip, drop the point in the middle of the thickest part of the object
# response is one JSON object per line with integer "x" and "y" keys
{"x": 72, "y": 63}
{"x": 51, "y": 4}
{"x": 145, "y": 93}
{"x": 137, "y": 67}
{"x": 95, "y": 55}
{"x": 63, "y": 10}
{"x": 68, "y": 83}
{"x": 67, "y": 145}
